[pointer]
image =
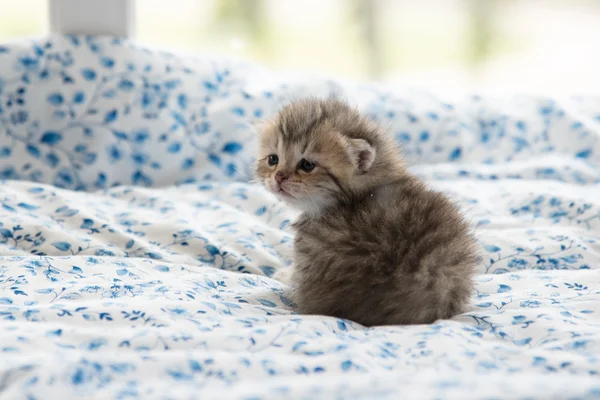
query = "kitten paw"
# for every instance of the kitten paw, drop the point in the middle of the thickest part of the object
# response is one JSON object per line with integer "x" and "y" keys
{"x": 284, "y": 276}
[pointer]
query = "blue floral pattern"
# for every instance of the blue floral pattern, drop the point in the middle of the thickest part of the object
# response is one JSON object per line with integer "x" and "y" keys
{"x": 136, "y": 260}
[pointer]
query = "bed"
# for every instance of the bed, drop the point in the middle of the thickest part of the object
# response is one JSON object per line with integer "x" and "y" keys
{"x": 136, "y": 259}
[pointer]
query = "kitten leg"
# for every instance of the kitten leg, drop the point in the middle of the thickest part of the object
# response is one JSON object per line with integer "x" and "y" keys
{"x": 284, "y": 275}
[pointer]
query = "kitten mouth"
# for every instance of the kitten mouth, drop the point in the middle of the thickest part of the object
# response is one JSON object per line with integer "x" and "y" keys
{"x": 282, "y": 192}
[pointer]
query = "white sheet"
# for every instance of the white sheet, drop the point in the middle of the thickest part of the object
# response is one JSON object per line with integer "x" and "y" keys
{"x": 160, "y": 288}
{"x": 139, "y": 292}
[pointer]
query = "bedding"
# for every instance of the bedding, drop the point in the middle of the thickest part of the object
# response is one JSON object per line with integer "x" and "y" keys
{"x": 136, "y": 259}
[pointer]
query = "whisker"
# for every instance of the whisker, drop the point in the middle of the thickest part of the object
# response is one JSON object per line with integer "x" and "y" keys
{"x": 325, "y": 188}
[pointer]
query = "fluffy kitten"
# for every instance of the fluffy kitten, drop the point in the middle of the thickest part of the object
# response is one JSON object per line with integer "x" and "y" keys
{"x": 373, "y": 244}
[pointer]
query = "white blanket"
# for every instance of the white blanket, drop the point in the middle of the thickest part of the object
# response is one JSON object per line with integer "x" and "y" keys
{"x": 164, "y": 291}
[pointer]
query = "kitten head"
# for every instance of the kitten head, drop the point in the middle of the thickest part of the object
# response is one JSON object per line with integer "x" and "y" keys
{"x": 316, "y": 153}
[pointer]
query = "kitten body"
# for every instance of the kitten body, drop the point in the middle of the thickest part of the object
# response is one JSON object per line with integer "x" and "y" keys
{"x": 373, "y": 244}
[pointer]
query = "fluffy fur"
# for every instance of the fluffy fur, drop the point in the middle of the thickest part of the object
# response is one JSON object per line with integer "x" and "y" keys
{"x": 373, "y": 244}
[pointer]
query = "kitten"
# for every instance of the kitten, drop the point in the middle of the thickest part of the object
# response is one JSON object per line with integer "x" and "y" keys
{"x": 373, "y": 244}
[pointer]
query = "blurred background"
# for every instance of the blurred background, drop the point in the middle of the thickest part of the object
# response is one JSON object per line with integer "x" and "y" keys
{"x": 533, "y": 46}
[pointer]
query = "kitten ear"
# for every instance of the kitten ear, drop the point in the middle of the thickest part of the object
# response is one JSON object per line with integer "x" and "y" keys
{"x": 257, "y": 126}
{"x": 361, "y": 153}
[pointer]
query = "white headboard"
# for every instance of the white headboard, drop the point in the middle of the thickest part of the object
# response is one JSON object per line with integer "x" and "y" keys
{"x": 93, "y": 17}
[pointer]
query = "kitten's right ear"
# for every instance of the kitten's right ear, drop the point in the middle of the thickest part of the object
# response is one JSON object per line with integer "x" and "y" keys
{"x": 361, "y": 153}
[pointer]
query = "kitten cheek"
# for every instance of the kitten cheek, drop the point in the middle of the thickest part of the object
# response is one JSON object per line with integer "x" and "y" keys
{"x": 272, "y": 187}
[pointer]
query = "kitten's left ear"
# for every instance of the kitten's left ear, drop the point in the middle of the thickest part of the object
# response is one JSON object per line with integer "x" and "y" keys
{"x": 257, "y": 126}
{"x": 361, "y": 153}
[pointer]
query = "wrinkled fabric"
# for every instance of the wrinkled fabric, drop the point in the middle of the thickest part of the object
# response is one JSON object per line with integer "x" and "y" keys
{"x": 135, "y": 259}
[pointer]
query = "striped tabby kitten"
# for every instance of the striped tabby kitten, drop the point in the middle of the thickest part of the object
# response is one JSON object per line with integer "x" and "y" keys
{"x": 373, "y": 244}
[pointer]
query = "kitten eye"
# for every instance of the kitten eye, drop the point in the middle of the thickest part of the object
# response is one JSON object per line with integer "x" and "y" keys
{"x": 272, "y": 160}
{"x": 306, "y": 165}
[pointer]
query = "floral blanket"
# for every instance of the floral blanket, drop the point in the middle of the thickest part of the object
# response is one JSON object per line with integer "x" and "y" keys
{"x": 135, "y": 260}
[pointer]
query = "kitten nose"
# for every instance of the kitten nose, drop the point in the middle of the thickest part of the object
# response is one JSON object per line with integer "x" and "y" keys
{"x": 280, "y": 177}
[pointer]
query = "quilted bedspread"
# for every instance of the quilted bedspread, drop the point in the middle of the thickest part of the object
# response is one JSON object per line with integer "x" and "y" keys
{"x": 135, "y": 259}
